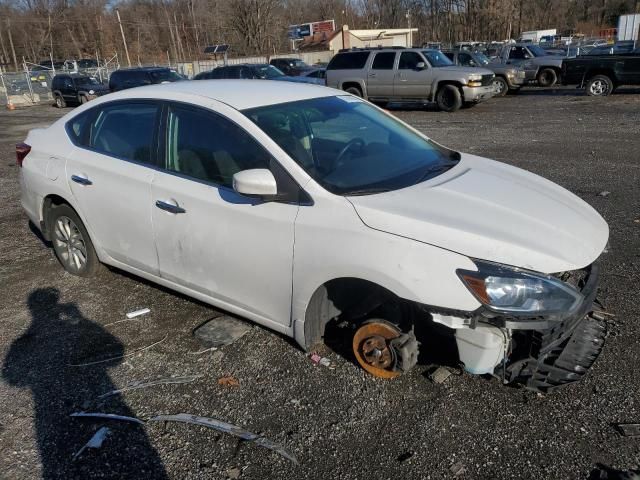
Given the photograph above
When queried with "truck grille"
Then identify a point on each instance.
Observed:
(487, 79)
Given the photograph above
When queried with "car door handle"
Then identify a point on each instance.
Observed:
(372, 74)
(169, 207)
(81, 180)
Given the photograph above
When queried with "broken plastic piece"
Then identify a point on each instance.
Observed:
(226, 428)
(95, 441)
(137, 313)
(315, 358)
(119, 356)
(108, 416)
(629, 429)
(228, 381)
(162, 381)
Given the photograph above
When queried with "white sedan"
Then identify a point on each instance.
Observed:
(297, 205)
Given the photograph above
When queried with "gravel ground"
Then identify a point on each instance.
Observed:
(338, 422)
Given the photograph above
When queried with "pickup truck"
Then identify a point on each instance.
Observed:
(383, 75)
(600, 75)
(538, 65)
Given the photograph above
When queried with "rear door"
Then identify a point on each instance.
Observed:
(68, 90)
(410, 81)
(110, 175)
(210, 239)
(381, 75)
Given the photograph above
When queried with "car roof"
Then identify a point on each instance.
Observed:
(239, 94)
(142, 69)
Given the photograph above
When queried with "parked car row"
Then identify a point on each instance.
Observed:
(451, 79)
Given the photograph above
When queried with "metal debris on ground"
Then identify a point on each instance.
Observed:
(137, 313)
(225, 427)
(629, 429)
(228, 381)
(440, 375)
(119, 356)
(119, 321)
(200, 352)
(95, 441)
(107, 416)
(143, 384)
(604, 193)
(221, 331)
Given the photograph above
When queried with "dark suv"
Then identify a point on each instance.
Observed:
(69, 88)
(290, 66)
(260, 71)
(137, 77)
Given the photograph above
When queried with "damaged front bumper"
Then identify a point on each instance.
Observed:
(542, 352)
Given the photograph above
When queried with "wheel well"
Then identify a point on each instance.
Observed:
(352, 84)
(49, 201)
(441, 84)
(600, 71)
(348, 298)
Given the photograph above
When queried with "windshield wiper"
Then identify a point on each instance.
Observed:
(365, 191)
(428, 173)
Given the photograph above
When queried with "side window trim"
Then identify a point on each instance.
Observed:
(95, 111)
(301, 196)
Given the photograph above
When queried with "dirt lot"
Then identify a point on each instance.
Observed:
(340, 423)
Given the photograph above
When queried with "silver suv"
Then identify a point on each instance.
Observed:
(409, 74)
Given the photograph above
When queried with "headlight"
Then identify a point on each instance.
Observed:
(91, 92)
(507, 289)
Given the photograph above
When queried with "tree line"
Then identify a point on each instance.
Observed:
(172, 30)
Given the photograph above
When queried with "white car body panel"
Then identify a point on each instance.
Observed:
(264, 261)
(492, 211)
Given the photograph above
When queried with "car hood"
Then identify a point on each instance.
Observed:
(492, 211)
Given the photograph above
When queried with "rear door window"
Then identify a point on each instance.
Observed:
(125, 130)
(409, 61)
(383, 61)
(348, 61)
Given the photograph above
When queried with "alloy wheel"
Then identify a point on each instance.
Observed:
(69, 244)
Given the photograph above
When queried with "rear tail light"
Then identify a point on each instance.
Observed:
(22, 150)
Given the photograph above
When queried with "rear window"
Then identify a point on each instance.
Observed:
(383, 61)
(348, 61)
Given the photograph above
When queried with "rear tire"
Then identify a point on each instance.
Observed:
(599, 86)
(60, 103)
(547, 77)
(83, 100)
(354, 91)
(448, 98)
(71, 242)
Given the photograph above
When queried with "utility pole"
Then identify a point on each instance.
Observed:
(124, 40)
(5, 55)
(410, 32)
(13, 50)
(51, 41)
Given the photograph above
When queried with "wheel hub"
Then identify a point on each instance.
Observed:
(373, 350)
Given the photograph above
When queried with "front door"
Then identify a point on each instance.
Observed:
(381, 74)
(110, 176)
(412, 81)
(234, 249)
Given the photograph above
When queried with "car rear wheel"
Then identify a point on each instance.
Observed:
(448, 98)
(599, 86)
(501, 86)
(60, 103)
(71, 242)
(547, 77)
(83, 99)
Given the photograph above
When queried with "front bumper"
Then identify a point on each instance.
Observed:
(558, 351)
(478, 94)
(517, 80)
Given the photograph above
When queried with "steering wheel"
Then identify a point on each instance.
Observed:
(347, 147)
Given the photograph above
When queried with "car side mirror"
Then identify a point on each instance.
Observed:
(527, 56)
(421, 66)
(256, 182)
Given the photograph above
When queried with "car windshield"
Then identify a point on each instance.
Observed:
(350, 147)
(537, 51)
(268, 71)
(165, 76)
(482, 58)
(437, 58)
(87, 81)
